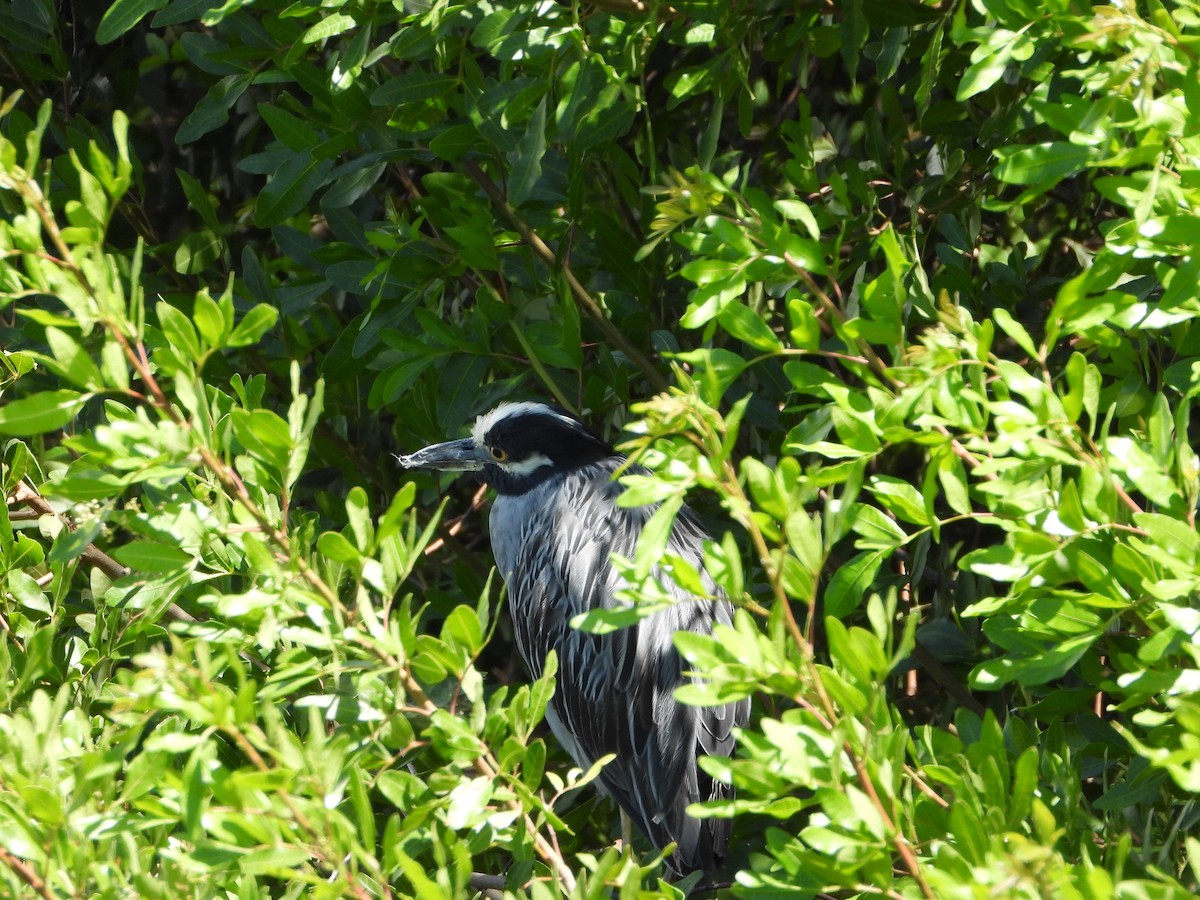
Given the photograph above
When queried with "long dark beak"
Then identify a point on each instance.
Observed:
(452, 456)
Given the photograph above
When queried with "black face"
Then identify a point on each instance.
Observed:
(529, 446)
(516, 447)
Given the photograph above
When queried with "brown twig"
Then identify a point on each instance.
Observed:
(830, 714)
(26, 874)
(635, 7)
(231, 484)
(455, 525)
(578, 291)
(489, 767)
(28, 496)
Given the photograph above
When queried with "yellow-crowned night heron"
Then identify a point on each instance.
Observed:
(554, 526)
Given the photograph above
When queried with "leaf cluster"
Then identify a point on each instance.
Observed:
(901, 297)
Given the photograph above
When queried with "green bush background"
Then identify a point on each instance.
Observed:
(902, 296)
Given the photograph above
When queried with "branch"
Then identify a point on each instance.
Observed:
(26, 874)
(490, 886)
(582, 297)
(135, 353)
(635, 7)
(489, 767)
(28, 496)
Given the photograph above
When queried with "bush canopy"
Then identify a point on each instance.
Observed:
(902, 297)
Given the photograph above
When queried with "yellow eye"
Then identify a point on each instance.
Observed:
(498, 454)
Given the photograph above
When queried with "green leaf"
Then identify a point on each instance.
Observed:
(901, 498)
(152, 556)
(1049, 664)
(40, 413)
(606, 620)
(1176, 538)
(335, 546)
(1043, 164)
(85, 486)
(413, 87)
(24, 587)
(1132, 791)
(294, 132)
(290, 188)
(327, 28)
(1016, 331)
(24, 553)
(209, 319)
(463, 629)
(199, 199)
(180, 11)
(1147, 474)
(767, 491)
(213, 110)
(77, 366)
(542, 690)
(875, 528)
(953, 480)
(746, 325)
(985, 70)
(350, 186)
(179, 330)
(849, 583)
(452, 737)
(467, 802)
(38, 659)
(275, 861)
(70, 545)
(264, 434)
(808, 255)
(528, 166)
(999, 563)
(641, 490)
(197, 252)
(123, 15)
(257, 322)
(685, 83)
(455, 142)
(804, 540)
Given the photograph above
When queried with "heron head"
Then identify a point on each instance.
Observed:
(516, 446)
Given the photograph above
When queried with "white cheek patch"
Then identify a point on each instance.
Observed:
(527, 466)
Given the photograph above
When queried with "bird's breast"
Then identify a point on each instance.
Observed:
(552, 547)
(511, 518)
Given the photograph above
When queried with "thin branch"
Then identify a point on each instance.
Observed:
(551, 260)
(946, 681)
(635, 7)
(899, 841)
(490, 886)
(925, 788)
(26, 874)
(28, 496)
(489, 767)
(455, 525)
(874, 363)
(898, 838)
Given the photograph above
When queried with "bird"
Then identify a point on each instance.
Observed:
(554, 526)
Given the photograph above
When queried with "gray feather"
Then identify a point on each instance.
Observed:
(616, 692)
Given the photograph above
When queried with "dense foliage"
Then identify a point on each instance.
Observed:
(903, 297)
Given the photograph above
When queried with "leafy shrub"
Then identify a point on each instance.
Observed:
(901, 297)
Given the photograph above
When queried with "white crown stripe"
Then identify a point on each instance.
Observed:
(488, 420)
